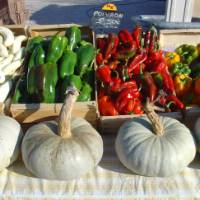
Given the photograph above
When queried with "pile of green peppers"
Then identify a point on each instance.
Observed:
(54, 63)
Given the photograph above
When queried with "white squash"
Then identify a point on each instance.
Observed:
(18, 43)
(8, 36)
(10, 141)
(3, 51)
(11, 68)
(5, 89)
(6, 61)
(155, 146)
(63, 150)
(197, 134)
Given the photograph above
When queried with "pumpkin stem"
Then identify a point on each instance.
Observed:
(64, 128)
(154, 118)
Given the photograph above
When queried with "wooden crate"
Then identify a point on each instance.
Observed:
(28, 114)
(169, 39)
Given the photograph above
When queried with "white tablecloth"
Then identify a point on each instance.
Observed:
(110, 180)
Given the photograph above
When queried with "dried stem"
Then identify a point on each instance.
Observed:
(157, 125)
(64, 128)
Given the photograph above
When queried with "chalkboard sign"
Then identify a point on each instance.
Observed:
(103, 19)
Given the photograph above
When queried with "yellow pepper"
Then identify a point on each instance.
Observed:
(182, 84)
(171, 58)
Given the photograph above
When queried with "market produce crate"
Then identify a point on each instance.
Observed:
(32, 113)
(169, 39)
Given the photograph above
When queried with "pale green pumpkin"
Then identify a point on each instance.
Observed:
(161, 150)
(64, 150)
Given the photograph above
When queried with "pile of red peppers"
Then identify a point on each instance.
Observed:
(131, 67)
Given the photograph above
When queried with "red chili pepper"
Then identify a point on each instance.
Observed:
(101, 43)
(168, 84)
(104, 73)
(133, 107)
(125, 36)
(155, 56)
(112, 44)
(126, 48)
(176, 101)
(124, 96)
(151, 88)
(137, 35)
(99, 59)
(161, 68)
(115, 84)
(106, 106)
(129, 84)
(136, 61)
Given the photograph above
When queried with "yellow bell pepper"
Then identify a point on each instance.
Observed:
(171, 58)
(182, 84)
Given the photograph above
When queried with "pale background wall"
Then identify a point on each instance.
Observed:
(196, 10)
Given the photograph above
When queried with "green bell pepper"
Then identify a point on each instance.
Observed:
(33, 43)
(56, 47)
(188, 53)
(72, 80)
(85, 94)
(85, 55)
(180, 68)
(74, 36)
(42, 81)
(37, 57)
(67, 63)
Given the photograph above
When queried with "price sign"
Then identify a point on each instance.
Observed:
(107, 18)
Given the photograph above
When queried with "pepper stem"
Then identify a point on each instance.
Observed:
(154, 118)
(64, 128)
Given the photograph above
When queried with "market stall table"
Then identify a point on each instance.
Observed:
(110, 180)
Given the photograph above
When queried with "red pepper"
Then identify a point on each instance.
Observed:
(137, 35)
(136, 61)
(133, 107)
(140, 68)
(129, 84)
(176, 101)
(101, 44)
(99, 59)
(124, 97)
(104, 73)
(111, 46)
(161, 68)
(155, 56)
(106, 106)
(115, 84)
(125, 36)
(168, 84)
(151, 88)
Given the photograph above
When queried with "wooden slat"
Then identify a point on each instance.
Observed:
(32, 113)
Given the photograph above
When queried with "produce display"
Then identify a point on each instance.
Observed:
(132, 67)
(10, 141)
(63, 150)
(184, 67)
(11, 59)
(153, 145)
(53, 64)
